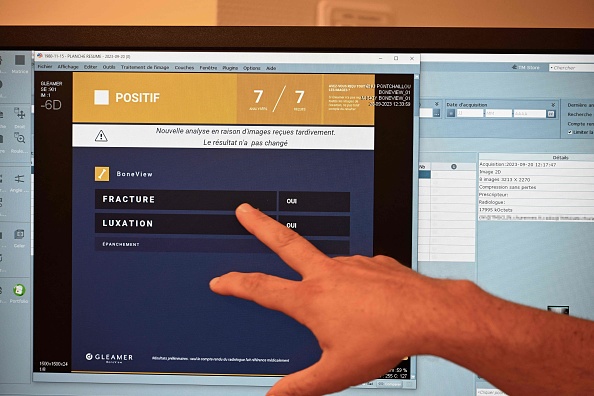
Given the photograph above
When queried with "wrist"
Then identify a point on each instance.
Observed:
(455, 319)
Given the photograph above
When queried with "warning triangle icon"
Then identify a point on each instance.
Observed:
(101, 137)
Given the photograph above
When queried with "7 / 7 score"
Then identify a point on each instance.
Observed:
(260, 92)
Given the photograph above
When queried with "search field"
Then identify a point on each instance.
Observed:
(572, 67)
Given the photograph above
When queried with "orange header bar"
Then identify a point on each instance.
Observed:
(221, 98)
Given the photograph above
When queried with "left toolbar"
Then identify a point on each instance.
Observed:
(16, 214)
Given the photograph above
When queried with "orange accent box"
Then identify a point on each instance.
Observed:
(348, 99)
(102, 173)
(166, 98)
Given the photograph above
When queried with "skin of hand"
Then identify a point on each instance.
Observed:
(369, 313)
(351, 305)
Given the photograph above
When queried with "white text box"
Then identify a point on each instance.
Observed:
(498, 113)
(529, 113)
(469, 113)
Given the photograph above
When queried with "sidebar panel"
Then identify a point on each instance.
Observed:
(15, 217)
(53, 203)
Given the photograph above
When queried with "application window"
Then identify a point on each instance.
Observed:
(161, 150)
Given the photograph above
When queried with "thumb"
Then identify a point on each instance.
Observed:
(326, 376)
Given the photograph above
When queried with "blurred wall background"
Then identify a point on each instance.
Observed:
(493, 13)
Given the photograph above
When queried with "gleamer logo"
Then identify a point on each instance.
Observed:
(109, 358)
(102, 97)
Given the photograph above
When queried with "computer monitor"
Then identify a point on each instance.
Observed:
(463, 153)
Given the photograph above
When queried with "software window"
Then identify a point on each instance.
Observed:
(162, 147)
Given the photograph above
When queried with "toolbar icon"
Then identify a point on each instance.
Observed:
(19, 60)
(20, 138)
(20, 113)
(102, 173)
(19, 178)
(1, 138)
(19, 234)
(19, 289)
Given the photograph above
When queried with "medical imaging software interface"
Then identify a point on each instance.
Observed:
(120, 173)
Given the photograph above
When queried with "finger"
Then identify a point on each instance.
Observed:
(311, 381)
(326, 376)
(269, 291)
(295, 250)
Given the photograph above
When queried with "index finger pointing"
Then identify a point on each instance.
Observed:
(295, 250)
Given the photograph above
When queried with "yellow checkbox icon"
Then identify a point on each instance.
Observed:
(102, 173)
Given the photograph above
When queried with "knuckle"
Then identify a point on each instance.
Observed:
(384, 259)
(381, 257)
(285, 237)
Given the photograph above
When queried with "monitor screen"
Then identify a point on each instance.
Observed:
(462, 153)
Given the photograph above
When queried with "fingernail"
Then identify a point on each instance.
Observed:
(214, 281)
(245, 207)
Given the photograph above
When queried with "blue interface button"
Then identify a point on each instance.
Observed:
(424, 174)
(451, 113)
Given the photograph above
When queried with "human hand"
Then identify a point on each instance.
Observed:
(367, 313)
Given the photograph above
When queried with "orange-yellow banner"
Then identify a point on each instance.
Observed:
(220, 98)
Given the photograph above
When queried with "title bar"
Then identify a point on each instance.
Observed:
(228, 57)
